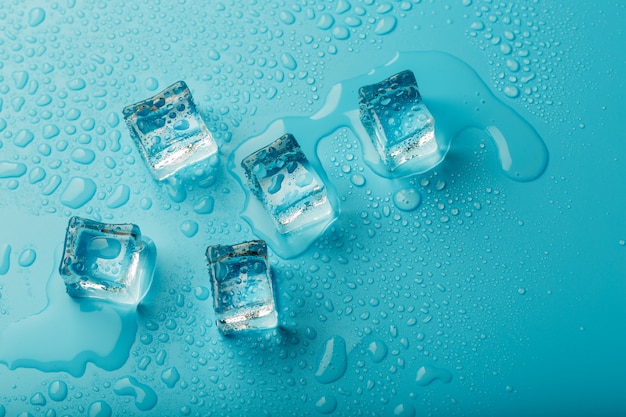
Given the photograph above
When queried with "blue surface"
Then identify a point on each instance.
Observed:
(488, 280)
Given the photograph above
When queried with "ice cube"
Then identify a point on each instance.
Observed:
(107, 261)
(242, 287)
(281, 177)
(169, 131)
(396, 119)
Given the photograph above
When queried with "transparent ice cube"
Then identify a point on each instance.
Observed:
(396, 119)
(242, 287)
(281, 177)
(169, 131)
(107, 261)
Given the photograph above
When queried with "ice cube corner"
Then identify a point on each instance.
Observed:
(240, 276)
(398, 122)
(169, 131)
(283, 180)
(112, 262)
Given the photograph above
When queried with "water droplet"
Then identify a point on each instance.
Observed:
(36, 16)
(511, 91)
(404, 410)
(145, 203)
(341, 32)
(11, 169)
(326, 404)
(204, 205)
(201, 293)
(83, 156)
(151, 84)
(50, 131)
(287, 17)
(407, 199)
(378, 350)
(326, 21)
(57, 391)
(358, 180)
(145, 397)
(52, 185)
(38, 399)
(27, 258)
(385, 25)
(333, 361)
(288, 61)
(20, 78)
(78, 192)
(170, 376)
(214, 55)
(36, 175)
(119, 196)
(99, 409)
(189, 228)
(76, 84)
(23, 138)
(428, 373)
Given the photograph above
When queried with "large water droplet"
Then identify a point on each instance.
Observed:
(5, 258)
(407, 199)
(11, 169)
(99, 409)
(427, 374)
(145, 397)
(385, 25)
(36, 16)
(57, 391)
(78, 192)
(333, 361)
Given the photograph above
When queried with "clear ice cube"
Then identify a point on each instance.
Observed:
(243, 298)
(169, 131)
(281, 177)
(396, 119)
(107, 261)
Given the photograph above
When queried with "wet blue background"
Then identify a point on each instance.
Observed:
(515, 290)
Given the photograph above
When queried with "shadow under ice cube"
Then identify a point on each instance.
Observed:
(396, 119)
(107, 261)
(169, 131)
(243, 298)
(281, 177)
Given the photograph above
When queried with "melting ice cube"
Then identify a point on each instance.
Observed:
(107, 261)
(281, 177)
(169, 131)
(396, 119)
(242, 287)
